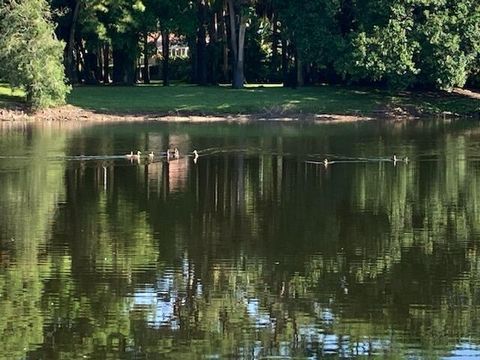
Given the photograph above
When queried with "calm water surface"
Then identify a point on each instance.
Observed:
(252, 252)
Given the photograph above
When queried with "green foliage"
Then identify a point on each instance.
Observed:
(387, 53)
(316, 32)
(430, 42)
(398, 43)
(450, 32)
(30, 54)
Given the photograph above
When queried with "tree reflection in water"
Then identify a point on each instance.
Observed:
(249, 253)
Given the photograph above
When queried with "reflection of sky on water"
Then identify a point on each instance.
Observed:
(318, 339)
(254, 352)
(465, 350)
(160, 300)
(161, 310)
(260, 318)
(327, 316)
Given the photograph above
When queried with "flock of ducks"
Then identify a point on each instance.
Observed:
(394, 158)
(170, 154)
(174, 154)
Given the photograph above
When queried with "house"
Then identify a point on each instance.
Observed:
(178, 47)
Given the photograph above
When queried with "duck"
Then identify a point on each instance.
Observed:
(394, 158)
(195, 154)
(137, 156)
(326, 162)
(129, 156)
(172, 154)
(151, 155)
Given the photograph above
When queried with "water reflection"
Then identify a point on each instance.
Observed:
(251, 252)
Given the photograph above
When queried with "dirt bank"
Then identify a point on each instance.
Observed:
(72, 113)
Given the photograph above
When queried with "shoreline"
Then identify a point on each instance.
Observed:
(70, 113)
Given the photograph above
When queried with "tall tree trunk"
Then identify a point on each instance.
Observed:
(71, 73)
(118, 66)
(238, 45)
(146, 67)
(285, 62)
(166, 58)
(223, 25)
(299, 81)
(79, 65)
(91, 66)
(275, 61)
(131, 70)
(192, 46)
(106, 63)
(124, 59)
(99, 67)
(83, 60)
(212, 49)
(239, 78)
(201, 43)
(233, 30)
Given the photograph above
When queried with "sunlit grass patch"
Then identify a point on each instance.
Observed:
(257, 98)
(268, 99)
(9, 95)
(6, 90)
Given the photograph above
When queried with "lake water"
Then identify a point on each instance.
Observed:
(256, 251)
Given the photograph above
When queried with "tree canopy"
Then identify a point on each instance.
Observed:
(392, 43)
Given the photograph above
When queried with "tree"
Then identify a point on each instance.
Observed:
(432, 43)
(450, 42)
(30, 53)
(91, 43)
(239, 16)
(148, 24)
(173, 17)
(123, 29)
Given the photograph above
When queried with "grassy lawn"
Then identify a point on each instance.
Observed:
(189, 99)
(9, 97)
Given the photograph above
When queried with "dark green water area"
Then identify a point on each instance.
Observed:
(256, 250)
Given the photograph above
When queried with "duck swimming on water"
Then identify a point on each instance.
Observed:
(396, 159)
(172, 154)
(137, 156)
(151, 155)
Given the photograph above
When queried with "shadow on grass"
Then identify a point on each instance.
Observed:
(10, 100)
(219, 100)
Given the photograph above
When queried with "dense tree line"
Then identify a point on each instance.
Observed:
(396, 43)
(433, 43)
